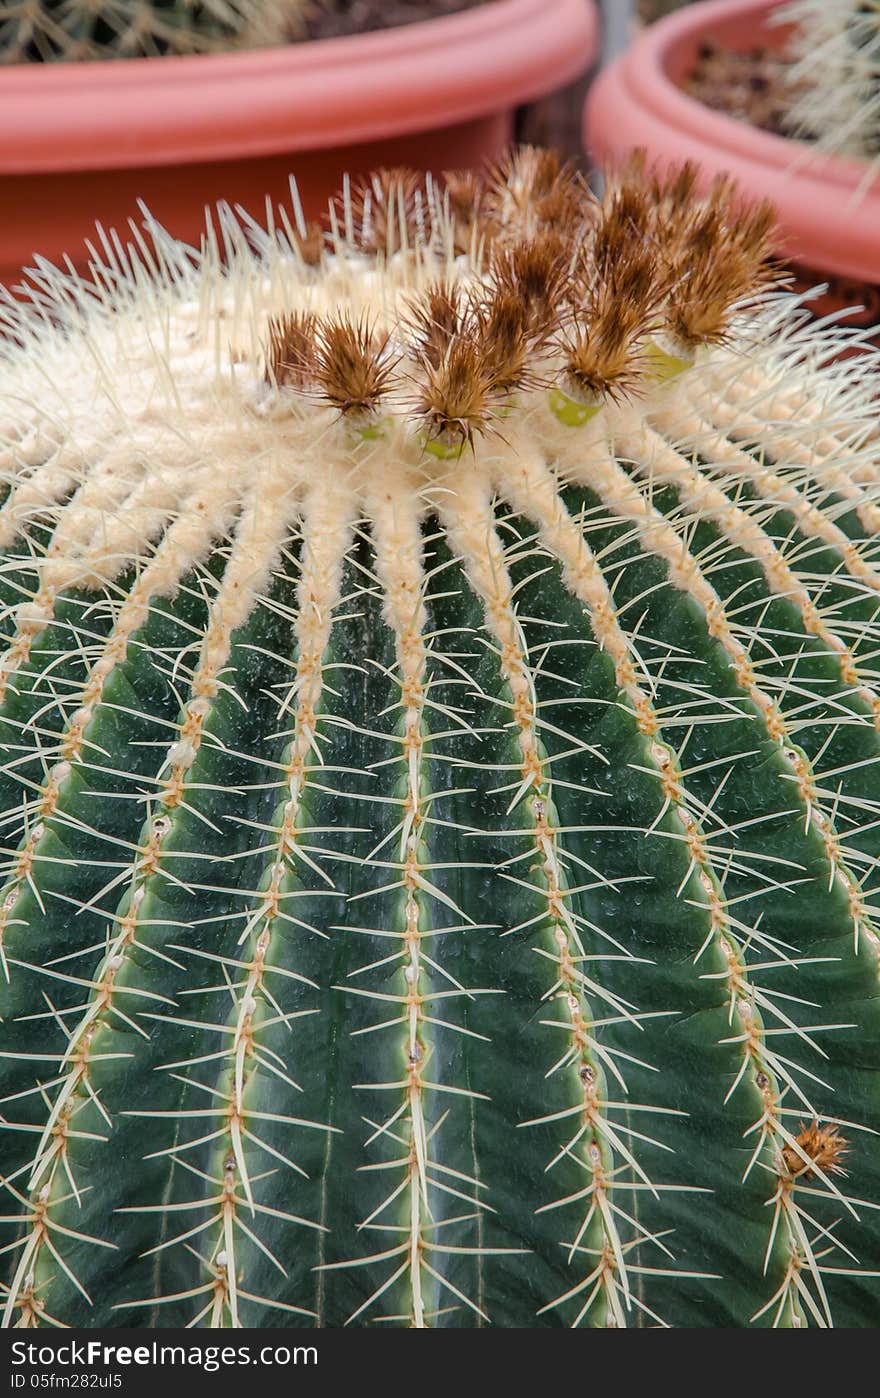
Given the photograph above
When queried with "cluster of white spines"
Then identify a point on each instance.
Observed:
(835, 77)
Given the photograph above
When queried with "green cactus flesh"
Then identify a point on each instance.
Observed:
(76, 30)
(438, 884)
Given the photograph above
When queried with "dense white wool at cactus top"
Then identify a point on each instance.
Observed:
(399, 428)
(155, 401)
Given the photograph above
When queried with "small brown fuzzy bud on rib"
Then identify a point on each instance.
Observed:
(384, 210)
(675, 193)
(501, 323)
(352, 369)
(432, 320)
(718, 256)
(823, 1145)
(722, 196)
(714, 249)
(456, 397)
(622, 229)
(632, 173)
(463, 196)
(310, 244)
(667, 193)
(537, 272)
(290, 350)
(604, 346)
(530, 189)
(755, 235)
(495, 319)
(703, 287)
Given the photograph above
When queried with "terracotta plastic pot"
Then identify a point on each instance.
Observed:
(85, 142)
(829, 221)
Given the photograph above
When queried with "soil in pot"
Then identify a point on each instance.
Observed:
(332, 19)
(750, 85)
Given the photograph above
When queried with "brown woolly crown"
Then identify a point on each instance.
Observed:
(564, 289)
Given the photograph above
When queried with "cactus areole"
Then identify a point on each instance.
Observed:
(439, 769)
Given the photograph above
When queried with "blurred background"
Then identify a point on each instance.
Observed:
(107, 106)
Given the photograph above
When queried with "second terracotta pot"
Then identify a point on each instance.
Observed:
(829, 220)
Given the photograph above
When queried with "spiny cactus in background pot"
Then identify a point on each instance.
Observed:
(835, 76)
(77, 30)
(440, 731)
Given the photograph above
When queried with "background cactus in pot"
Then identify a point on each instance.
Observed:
(835, 75)
(77, 30)
(440, 729)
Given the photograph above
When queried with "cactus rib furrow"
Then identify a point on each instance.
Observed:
(235, 1096)
(596, 1140)
(652, 456)
(110, 976)
(531, 488)
(51, 1169)
(769, 1064)
(162, 574)
(771, 487)
(622, 497)
(429, 994)
(399, 568)
(786, 449)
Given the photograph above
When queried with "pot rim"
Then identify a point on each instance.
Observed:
(305, 96)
